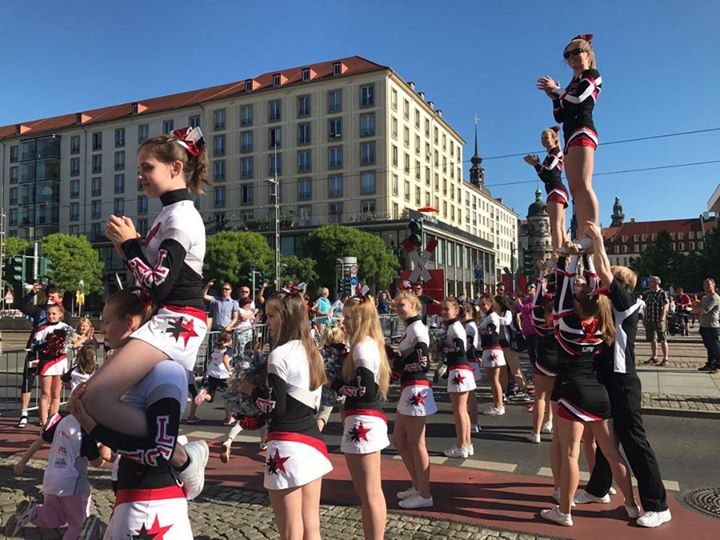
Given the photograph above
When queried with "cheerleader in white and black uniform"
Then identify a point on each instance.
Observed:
(550, 172)
(473, 356)
(493, 359)
(416, 401)
(172, 168)
(583, 325)
(364, 380)
(297, 457)
(460, 377)
(573, 107)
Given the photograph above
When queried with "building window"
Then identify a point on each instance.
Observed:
(334, 101)
(275, 140)
(248, 85)
(219, 170)
(335, 128)
(119, 206)
(303, 133)
(335, 157)
(74, 230)
(393, 99)
(246, 115)
(304, 162)
(335, 211)
(246, 194)
(303, 106)
(335, 186)
(119, 184)
(367, 125)
(275, 164)
(96, 186)
(97, 163)
(394, 156)
(143, 133)
(14, 154)
(142, 226)
(274, 110)
(142, 204)
(417, 119)
(246, 167)
(276, 80)
(394, 127)
(367, 183)
(406, 136)
(219, 196)
(74, 189)
(194, 121)
(13, 217)
(305, 214)
(120, 160)
(306, 74)
(367, 95)
(95, 232)
(97, 141)
(74, 211)
(246, 141)
(96, 209)
(407, 190)
(304, 189)
(219, 145)
(74, 167)
(337, 69)
(168, 126)
(395, 184)
(219, 119)
(406, 109)
(119, 137)
(75, 144)
(13, 195)
(367, 207)
(367, 153)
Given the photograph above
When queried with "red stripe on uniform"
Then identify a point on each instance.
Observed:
(416, 382)
(364, 412)
(136, 495)
(51, 363)
(187, 310)
(465, 366)
(317, 444)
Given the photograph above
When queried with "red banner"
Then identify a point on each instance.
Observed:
(435, 288)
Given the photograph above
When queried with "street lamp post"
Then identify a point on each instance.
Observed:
(275, 182)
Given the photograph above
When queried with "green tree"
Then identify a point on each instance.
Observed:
(299, 270)
(16, 246)
(710, 257)
(378, 267)
(660, 259)
(74, 260)
(229, 256)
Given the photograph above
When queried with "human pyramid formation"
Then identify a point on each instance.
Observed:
(133, 404)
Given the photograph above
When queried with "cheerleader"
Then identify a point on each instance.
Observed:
(334, 350)
(297, 457)
(473, 350)
(573, 107)
(416, 401)
(493, 359)
(461, 380)
(364, 381)
(50, 345)
(218, 374)
(583, 325)
(550, 172)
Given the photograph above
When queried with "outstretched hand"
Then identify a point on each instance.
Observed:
(547, 84)
(120, 229)
(532, 159)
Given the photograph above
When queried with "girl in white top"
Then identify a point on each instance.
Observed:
(218, 373)
(473, 356)
(493, 359)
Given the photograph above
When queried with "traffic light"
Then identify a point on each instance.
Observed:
(46, 268)
(347, 286)
(416, 232)
(15, 269)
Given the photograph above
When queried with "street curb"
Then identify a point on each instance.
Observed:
(680, 413)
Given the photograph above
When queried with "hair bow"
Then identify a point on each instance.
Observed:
(586, 37)
(598, 291)
(406, 284)
(191, 139)
(556, 129)
(143, 295)
(361, 292)
(295, 288)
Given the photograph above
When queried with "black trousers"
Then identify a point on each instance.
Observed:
(711, 340)
(625, 395)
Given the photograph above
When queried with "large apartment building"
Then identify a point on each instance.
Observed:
(348, 140)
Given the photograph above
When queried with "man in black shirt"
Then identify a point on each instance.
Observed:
(425, 300)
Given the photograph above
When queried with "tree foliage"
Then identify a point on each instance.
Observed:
(230, 256)
(378, 267)
(16, 246)
(74, 260)
(299, 270)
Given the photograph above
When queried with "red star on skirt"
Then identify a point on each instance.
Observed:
(417, 399)
(156, 532)
(358, 432)
(458, 379)
(493, 356)
(179, 328)
(276, 463)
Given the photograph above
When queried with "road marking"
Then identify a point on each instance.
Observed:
(490, 465)
(670, 485)
(212, 436)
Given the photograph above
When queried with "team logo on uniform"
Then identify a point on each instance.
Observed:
(358, 433)
(178, 328)
(493, 356)
(458, 379)
(156, 532)
(152, 233)
(276, 463)
(416, 400)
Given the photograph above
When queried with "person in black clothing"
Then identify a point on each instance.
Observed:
(38, 319)
(425, 300)
(617, 372)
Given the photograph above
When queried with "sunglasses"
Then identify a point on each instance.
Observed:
(227, 289)
(245, 291)
(573, 52)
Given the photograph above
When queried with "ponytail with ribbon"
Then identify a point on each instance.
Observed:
(191, 139)
(584, 37)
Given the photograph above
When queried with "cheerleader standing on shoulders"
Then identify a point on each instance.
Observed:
(172, 168)
(583, 325)
(493, 359)
(573, 107)
(550, 172)
(50, 342)
(365, 378)
(473, 350)
(297, 457)
(461, 380)
(416, 401)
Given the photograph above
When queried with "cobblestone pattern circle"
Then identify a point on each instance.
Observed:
(706, 500)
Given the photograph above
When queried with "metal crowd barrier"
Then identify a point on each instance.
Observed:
(256, 337)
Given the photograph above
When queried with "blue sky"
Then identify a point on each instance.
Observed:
(659, 60)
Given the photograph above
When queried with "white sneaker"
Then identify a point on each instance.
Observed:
(470, 450)
(633, 511)
(475, 428)
(22, 516)
(193, 477)
(547, 427)
(612, 491)
(402, 495)
(654, 519)
(416, 501)
(495, 411)
(456, 452)
(533, 438)
(554, 514)
(583, 497)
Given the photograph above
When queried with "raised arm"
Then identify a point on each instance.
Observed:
(600, 258)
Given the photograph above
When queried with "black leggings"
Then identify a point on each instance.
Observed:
(29, 374)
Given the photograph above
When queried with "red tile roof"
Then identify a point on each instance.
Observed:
(352, 65)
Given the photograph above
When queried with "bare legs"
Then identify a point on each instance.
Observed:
(409, 439)
(543, 390)
(556, 211)
(297, 511)
(579, 163)
(493, 375)
(365, 472)
(462, 419)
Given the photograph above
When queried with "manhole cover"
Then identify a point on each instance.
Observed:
(706, 500)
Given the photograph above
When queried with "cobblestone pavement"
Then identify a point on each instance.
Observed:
(674, 402)
(225, 513)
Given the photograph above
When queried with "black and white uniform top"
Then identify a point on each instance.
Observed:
(573, 107)
(171, 266)
(546, 363)
(471, 333)
(145, 461)
(550, 172)
(413, 363)
(455, 345)
(620, 357)
(489, 330)
(361, 393)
